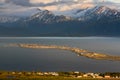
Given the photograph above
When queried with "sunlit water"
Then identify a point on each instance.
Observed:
(23, 59)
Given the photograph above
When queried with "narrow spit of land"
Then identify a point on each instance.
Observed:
(78, 51)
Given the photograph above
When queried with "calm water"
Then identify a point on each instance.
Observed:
(15, 58)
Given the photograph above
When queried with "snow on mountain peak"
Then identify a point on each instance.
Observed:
(80, 14)
(100, 9)
(97, 11)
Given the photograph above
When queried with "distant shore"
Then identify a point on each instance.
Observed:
(72, 75)
(78, 51)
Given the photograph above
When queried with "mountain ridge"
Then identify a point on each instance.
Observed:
(96, 21)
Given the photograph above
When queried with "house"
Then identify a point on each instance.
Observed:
(107, 76)
(39, 73)
(53, 73)
(76, 72)
(79, 76)
(20, 73)
(29, 73)
(85, 75)
(13, 73)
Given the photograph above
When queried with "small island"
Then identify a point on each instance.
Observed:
(78, 51)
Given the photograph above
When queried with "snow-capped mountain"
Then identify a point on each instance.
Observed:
(96, 21)
(97, 13)
(45, 16)
(13, 16)
(10, 19)
(48, 17)
(42, 16)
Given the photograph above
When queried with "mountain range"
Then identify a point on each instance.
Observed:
(96, 21)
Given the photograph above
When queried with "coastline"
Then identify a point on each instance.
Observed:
(78, 51)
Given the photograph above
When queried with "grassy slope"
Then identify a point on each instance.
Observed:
(53, 78)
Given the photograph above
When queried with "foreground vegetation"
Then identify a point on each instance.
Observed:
(4, 75)
(55, 78)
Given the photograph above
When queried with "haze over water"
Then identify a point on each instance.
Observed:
(16, 58)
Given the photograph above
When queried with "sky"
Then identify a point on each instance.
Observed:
(10, 6)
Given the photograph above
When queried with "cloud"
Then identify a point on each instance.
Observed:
(64, 7)
(44, 2)
(41, 1)
(1, 1)
(11, 6)
(115, 1)
(18, 2)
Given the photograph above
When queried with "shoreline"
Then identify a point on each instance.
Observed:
(71, 75)
(78, 51)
